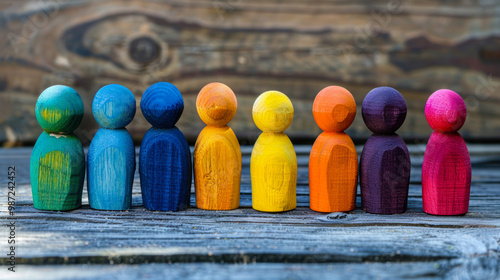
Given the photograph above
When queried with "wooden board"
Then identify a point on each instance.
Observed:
(239, 244)
(297, 47)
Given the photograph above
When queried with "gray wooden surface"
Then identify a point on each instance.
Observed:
(246, 244)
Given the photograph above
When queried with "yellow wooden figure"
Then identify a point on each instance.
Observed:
(273, 166)
(217, 153)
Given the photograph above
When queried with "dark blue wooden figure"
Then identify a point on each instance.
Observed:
(385, 161)
(111, 155)
(165, 158)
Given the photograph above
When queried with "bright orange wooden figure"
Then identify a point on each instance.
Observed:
(217, 153)
(333, 163)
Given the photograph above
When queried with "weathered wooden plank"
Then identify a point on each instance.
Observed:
(244, 243)
(140, 237)
(249, 270)
(484, 217)
(296, 47)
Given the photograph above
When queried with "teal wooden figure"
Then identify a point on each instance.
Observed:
(57, 166)
(111, 155)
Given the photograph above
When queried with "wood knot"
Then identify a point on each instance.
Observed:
(337, 216)
(144, 50)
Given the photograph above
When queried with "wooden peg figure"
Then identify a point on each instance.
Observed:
(446, 170)
(111, 154)
(273, 165)
(385, 161)
(165, 158)
(217, 153)
(333, 163)
(57, 166)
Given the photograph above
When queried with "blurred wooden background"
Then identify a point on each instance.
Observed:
(297, 47)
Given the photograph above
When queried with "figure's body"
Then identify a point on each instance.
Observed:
(165, 158)
(111, 155)
(57, 165)
(217, 153)
(333, 163)
(333, 175)
(165, 168)
(57, 172)
(218, 169)
(446, 169)
(111, 167)
(273, 165)
(385, 161)
(273, 170)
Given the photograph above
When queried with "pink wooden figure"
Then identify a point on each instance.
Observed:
(446, 170)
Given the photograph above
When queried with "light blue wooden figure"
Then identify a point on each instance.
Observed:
(111, 155)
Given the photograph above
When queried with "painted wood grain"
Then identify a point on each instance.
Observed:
(162, 105)
(446, 169)
(446, 175)
(273, 165)
(110, 169)
(59, 109)
(111, 154)
(57, 166)
(113, 106)
(384, 110)
(445, 111)
(385, 160)
(216, 104)
(165, 159)
(57, 172)
(385, 174)
(333, 162)
(217, 154)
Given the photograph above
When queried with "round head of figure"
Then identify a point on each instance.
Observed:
(272, 111)
(334, 109)
(445, 111)
(113, 106)
(162, 105)
(216, 104)
(59, 109)
(383, 110)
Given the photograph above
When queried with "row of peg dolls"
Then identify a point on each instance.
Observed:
(57, 165)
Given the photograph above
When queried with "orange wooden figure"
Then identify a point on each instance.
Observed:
(333, 163)
(217, 153)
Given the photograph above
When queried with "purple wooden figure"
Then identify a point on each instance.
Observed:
(385, 161)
